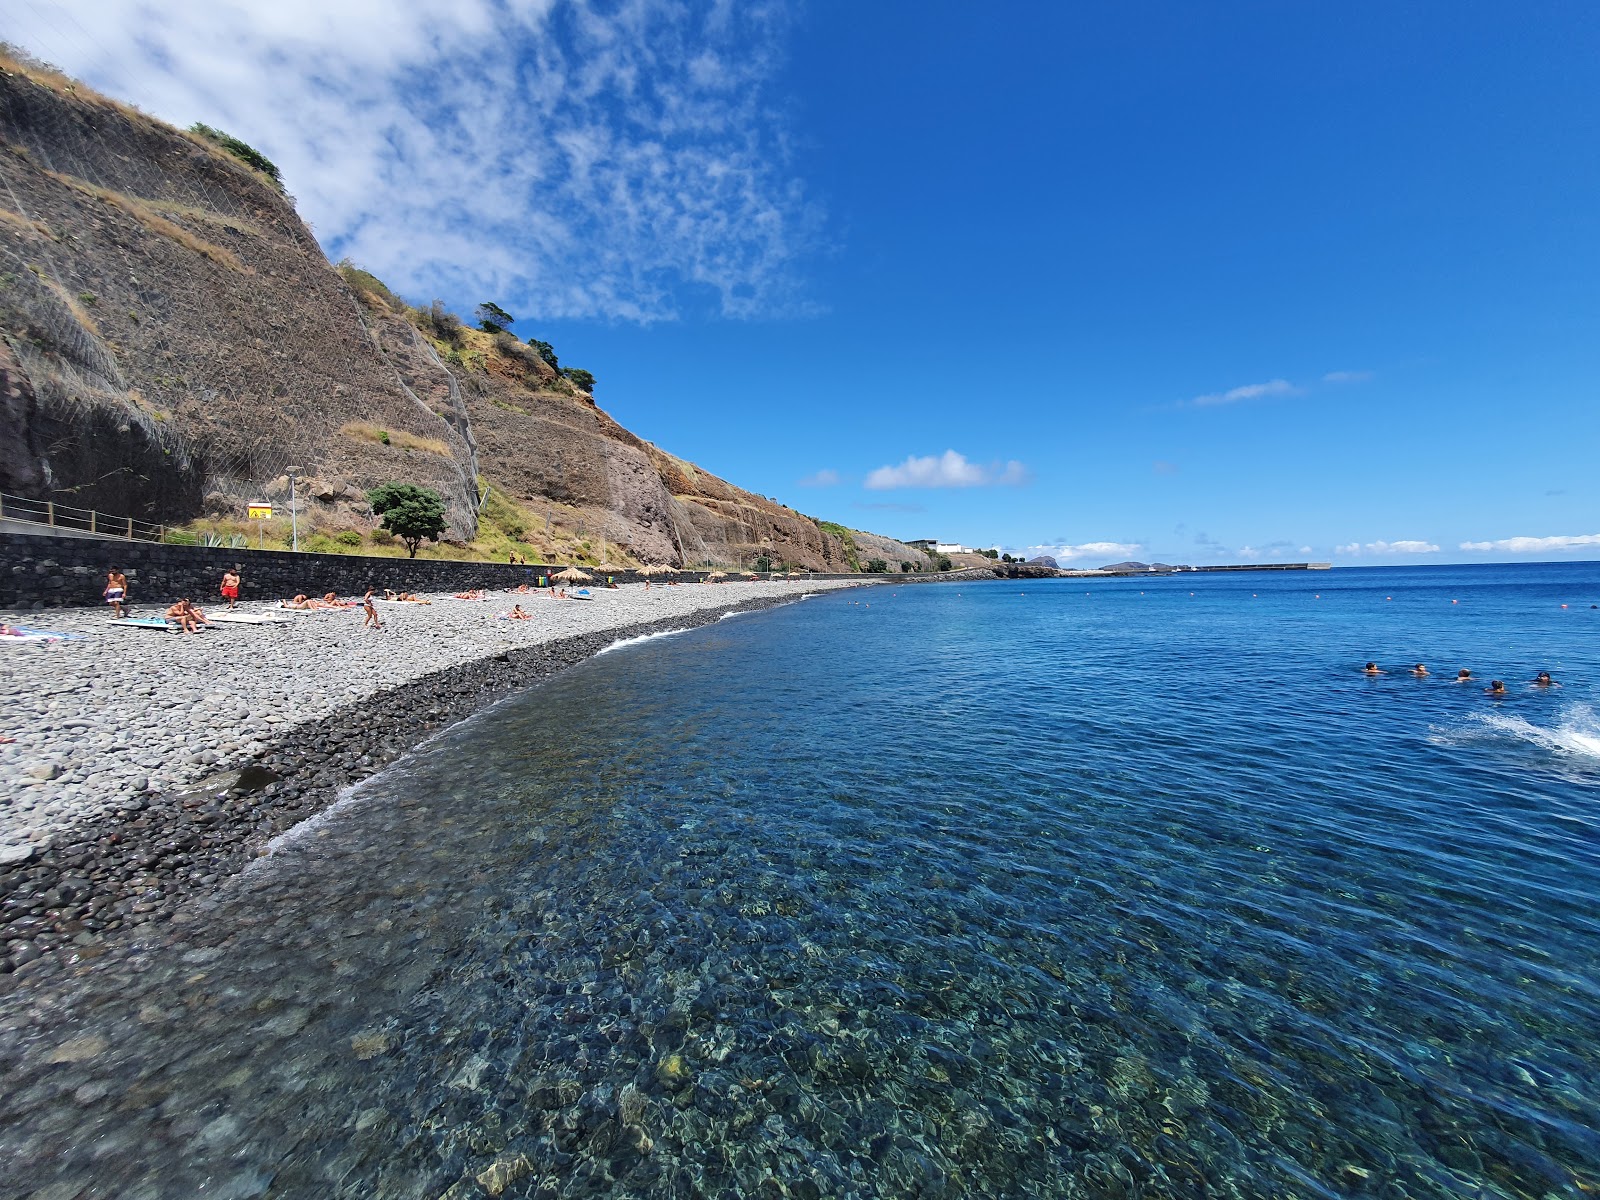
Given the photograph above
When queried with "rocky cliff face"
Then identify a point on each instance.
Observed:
(175, 340)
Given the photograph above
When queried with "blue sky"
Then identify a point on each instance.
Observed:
(1196, 283)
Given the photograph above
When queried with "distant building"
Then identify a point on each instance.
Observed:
(935, 546)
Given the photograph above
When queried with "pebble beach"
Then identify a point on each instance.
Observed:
(121, 787)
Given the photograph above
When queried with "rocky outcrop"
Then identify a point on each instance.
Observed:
(179, 327)
(175, 341)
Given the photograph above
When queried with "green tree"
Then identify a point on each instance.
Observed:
(547, 352)
(580, 377)
(876, 566)
(409, 512)
(492, 318)
(764, 563)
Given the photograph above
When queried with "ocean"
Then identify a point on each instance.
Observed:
(1067, 888)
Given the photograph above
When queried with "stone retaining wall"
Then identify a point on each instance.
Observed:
(68, 572)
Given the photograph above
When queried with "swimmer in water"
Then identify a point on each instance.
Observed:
(1372, 669)
(1495, 688)
(1419, 670)
(1463, 676)
(1542, 679)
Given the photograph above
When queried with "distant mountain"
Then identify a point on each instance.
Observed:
(1043, 560)
(1134, 567)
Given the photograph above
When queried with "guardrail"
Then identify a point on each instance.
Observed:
(81, 520)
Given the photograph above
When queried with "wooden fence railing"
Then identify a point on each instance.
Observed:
(84, 520)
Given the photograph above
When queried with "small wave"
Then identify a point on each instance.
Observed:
(1577, 734)
(738, 612)
(634, 641)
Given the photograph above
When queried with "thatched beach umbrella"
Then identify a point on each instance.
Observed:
(717, 575)
(752, 575)
(572, 575)
(610, 566)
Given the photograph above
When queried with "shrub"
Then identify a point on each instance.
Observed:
(580, 378)
(442, 323)
(906, 568)
(180, 537)
(243, 151)
(347, 537)
(381, 537)
(876, 566)
(319, 543)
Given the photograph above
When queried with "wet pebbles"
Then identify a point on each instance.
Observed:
(149, 767)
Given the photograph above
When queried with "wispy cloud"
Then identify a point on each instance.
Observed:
(1347, 377)
(1537, 545)
(827, 477)
(947, 470)
(1104, 551)
(624, 161)
(1404, 546)
(1249, 391)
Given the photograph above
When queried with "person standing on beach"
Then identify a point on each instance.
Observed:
(230, 586)
(370, 608)
(116, 590)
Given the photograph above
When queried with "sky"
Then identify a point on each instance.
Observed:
(1184, 283)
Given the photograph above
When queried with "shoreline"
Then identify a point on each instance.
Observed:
(101, 875)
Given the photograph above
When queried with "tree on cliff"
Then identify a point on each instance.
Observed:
(492, 318)
(409, 512)
(581, 378)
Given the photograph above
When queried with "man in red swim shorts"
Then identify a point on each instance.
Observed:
(230, 586)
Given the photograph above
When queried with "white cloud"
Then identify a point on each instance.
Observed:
(1305, 549)
(949, 469)
(1250, 391)
(566, 160)
(1536, 545)
(1347, 377)
(1409, 546)
(827, 477)
(1107, 551)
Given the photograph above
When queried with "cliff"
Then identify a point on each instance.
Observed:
(175, 340)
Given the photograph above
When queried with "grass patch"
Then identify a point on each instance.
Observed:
(369, 287)
(23, 225)
(154, 222)
(362, 431)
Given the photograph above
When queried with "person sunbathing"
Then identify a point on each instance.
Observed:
(517, 614)
(522, 589)
(331, 600)
(180, 615)
(301, 602)
(474, 594)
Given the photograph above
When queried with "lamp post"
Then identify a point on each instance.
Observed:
(294, 515)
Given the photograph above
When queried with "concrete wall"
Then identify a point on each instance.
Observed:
(65, 572)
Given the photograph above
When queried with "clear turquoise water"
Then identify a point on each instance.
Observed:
(1064, 889)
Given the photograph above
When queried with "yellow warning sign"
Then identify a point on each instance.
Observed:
(259, 512)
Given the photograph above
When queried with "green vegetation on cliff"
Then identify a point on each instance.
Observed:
(243, 151)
